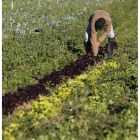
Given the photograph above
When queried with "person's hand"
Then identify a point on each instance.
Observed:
(95, 55)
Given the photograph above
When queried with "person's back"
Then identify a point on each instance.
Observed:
(99, 20)
(98, 14)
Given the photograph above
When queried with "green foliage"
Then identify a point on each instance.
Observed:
(39, 53)
(87, 107)
(100, 104)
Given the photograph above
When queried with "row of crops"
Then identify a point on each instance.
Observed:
(26, 17)
(101, 103)
(37, 55)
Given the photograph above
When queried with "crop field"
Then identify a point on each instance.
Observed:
(29, 35)
(51, 89)
(28, 17)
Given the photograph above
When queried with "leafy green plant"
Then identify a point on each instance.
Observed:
(102, 103)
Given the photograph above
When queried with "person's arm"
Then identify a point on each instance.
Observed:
(97, 45)
(93, 37)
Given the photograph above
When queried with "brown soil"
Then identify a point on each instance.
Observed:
(121, 33)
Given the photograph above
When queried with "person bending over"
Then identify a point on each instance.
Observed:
(99, 20)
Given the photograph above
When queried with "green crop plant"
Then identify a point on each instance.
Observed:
(86, 94)
(48, 107)
(36, 51)
(101, 103)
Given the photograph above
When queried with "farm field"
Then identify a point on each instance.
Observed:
(25, 16)
(35, 45)
(99, 102)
